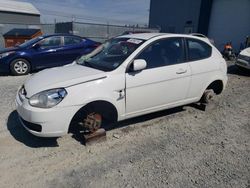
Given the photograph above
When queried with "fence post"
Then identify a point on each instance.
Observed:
(107, 30)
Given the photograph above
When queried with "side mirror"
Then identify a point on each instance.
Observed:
(139, 64)
(36, 46)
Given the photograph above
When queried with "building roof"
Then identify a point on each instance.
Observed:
(21, 32)
(18, 7)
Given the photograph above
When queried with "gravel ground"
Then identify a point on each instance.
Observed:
(181, 147)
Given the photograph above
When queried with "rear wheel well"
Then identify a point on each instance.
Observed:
(216, 86)
(106, 109)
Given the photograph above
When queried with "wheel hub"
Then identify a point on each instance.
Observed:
(208, 96)
(21, 67)
(93, 122)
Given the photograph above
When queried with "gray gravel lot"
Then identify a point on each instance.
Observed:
(181, 147)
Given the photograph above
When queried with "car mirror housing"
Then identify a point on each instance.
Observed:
(36, 46)
(139, 64)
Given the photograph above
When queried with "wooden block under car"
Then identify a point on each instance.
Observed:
(97, 136)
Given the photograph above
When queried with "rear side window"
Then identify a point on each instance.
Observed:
(72, 40)
(198, 49)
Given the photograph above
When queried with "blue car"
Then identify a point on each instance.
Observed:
(44, 52)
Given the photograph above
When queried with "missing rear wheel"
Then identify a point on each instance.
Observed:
(208, 96)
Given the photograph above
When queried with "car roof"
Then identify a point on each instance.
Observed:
(198, 35)
(142, 36)
(60, 34)
(147, 36)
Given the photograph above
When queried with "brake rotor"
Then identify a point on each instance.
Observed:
(208, 95)
(93, 122)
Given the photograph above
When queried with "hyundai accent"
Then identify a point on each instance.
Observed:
(125, 77)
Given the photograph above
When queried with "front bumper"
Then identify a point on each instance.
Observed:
(54, 122)
(4, 67)
(243, 63)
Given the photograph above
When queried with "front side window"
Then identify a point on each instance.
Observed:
(72, 40)
(163, 53)
(198, 50)
(111, 54)
(30, 42)
(50, 42)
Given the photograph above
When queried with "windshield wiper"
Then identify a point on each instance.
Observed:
(88, 64)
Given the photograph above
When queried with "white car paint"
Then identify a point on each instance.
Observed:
(203, 36)
(145, 87)
(132, 94)
(243, 59)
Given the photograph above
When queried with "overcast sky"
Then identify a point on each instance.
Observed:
(100, 11)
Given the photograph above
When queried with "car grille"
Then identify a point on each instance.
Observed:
(241, 63)
(243, 57)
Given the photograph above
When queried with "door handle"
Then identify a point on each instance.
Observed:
(181, 71)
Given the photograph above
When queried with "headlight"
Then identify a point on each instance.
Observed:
(6, 54)
(48, 99)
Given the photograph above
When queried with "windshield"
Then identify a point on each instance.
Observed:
(30, 42)
(111, 54)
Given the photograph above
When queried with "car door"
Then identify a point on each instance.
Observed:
(165, 81)
(48, 52)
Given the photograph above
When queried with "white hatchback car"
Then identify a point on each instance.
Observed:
(243, 60)
(127, 76)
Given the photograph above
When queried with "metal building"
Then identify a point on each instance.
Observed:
(14, 14)
(221, 20)
(18, 13)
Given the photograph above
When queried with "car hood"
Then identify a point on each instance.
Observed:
(245, 52)
(61, 77)
(8, 49)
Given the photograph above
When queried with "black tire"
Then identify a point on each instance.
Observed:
(19, 67)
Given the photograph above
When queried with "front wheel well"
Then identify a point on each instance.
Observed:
(216, 86)
(107, 109)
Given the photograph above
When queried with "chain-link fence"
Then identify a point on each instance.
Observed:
(101, 32)
(98, 32)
